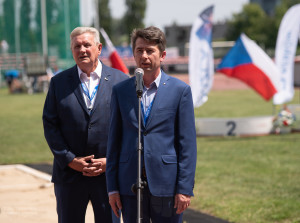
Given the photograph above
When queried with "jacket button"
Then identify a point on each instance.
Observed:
(145, 133)
(90, 126)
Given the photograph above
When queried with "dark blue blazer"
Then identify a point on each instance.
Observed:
(69, 128)
(168, 139)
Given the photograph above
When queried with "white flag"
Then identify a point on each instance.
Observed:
(286, 45)
(201, 65)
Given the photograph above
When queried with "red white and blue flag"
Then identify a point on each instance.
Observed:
(249, 63)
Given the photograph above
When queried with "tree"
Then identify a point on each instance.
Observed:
(282, 9)
(257, 25)
(251, 22)
(29, 39)
(134, 15)
(119, 35)
(105, 19)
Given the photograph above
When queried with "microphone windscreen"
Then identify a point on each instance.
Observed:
(139, 83)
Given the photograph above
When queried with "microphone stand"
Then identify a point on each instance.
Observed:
(139, 172)
(139, 186)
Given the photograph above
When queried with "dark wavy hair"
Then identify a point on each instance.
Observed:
(151, 34)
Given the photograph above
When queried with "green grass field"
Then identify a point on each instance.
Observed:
(21, 130)
(240, 179)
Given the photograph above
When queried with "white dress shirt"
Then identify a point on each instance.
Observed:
(91, 83)
(149, 93)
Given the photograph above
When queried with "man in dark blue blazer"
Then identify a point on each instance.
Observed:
(168, 138)
(76, 120)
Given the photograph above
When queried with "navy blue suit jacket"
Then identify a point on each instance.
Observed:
(168, 139)
(69, 128)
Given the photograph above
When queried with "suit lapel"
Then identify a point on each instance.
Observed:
(75, 83)
(102, 89)
(159, 97)
(136, 105)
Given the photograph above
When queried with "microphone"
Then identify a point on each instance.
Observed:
(139, 83)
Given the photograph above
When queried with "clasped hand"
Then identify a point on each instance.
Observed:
(88, 165)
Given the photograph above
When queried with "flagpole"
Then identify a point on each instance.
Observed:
(67, 28)
(17, 31)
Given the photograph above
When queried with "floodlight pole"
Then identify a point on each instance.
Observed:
(96, 16)
(44, 28)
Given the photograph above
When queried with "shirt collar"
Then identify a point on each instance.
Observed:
(97, 71)
(156, 81)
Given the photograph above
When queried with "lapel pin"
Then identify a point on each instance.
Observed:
(106, 78)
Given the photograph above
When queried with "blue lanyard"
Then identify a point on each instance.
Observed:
(86, 91)
(147, 114)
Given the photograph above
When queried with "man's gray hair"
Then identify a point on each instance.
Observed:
(80, 30)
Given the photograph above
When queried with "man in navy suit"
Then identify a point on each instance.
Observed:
(76, 121)
(168, 138)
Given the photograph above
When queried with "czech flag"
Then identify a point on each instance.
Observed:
(115, 59)
(249, 63)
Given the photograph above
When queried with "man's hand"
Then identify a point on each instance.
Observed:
(182, 201)
(115, 203)
(78, 163)
(88, 165)
(96, 167)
